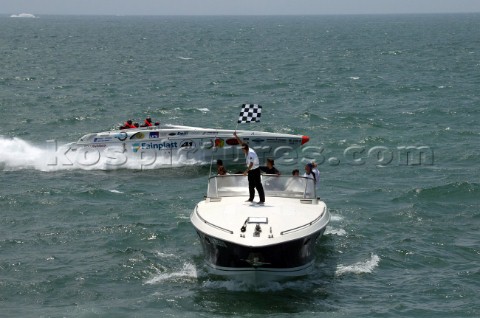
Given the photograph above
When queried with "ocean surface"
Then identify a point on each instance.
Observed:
(392, 107)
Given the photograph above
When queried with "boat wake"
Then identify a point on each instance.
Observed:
(18, 154)
(233, 285)
(338, 232)
(189, 271)
(363, 267)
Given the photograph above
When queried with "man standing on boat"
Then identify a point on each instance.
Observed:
(253, 172)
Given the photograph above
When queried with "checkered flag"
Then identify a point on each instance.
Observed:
(249, 113)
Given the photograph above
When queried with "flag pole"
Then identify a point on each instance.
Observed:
(238, 120)
(211, 160)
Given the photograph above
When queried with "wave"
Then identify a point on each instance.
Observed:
(450, 191)
(338, 232)
(364, 267)
(336, 218)
(188, 271)
(116, 191)
(299, 284)
(233, 285)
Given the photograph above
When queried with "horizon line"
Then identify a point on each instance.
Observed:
(237, 14)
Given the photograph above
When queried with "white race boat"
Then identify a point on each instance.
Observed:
(255, 242)
(175, 145)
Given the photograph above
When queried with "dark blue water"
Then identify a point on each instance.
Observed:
(391, 105)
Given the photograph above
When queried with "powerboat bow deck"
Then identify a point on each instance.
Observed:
(254, 242)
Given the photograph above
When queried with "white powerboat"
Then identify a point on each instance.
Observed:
(176, 145)
(255, 242)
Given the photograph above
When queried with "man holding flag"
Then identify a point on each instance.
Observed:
(253, 172)
(249, 113)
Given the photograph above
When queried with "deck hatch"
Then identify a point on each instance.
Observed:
(258, 219)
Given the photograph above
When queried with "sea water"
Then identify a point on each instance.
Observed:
(391, 105)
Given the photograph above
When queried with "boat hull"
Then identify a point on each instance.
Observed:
(288, 259)
(180, 145)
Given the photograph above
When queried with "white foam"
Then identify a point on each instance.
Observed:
(266, 286)
(188, 271)
(335, 217)
(360, 267)
(164, 255)
(338, 232)
(18, 154)
(230, 285)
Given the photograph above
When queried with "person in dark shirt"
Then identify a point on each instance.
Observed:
(221, 171)
(270, 167)
(128, 125)
(147, 122)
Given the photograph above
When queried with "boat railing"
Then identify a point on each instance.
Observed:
(274, 186)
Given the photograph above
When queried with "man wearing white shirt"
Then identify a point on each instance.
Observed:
(311, 171)
(253, 172)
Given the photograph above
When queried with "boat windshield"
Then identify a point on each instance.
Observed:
(274, 186)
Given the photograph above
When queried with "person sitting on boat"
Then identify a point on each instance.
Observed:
(147, 122)
(295, 173)
(128, 125)
(270, 168)
(221, 171)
